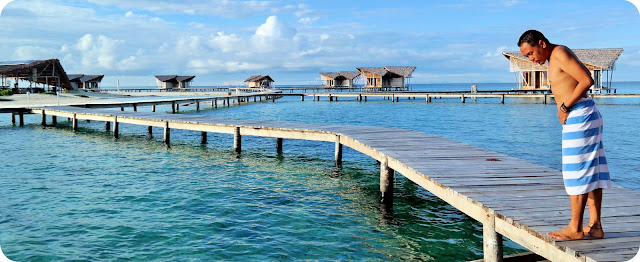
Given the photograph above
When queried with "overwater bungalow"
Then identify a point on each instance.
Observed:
(173, 81)
(260, 81)
(387, 78)
(49, 73)
(86, 82)
(531, 76)
(339, 79)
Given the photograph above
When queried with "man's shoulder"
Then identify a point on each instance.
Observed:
(561, 53)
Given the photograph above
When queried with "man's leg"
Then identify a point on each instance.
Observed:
(594, 201)
(574, 230)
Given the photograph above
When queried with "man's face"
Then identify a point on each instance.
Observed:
(534, 53)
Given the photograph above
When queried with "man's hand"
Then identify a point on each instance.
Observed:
(562, 116)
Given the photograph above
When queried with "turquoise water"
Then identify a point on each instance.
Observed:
(85, 197)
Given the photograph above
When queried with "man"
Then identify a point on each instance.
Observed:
(584, 166)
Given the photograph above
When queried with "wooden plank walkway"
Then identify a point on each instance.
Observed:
(515, 198)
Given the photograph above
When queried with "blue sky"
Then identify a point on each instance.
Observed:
(223, 42)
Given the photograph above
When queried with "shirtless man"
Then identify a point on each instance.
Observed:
(584, 168)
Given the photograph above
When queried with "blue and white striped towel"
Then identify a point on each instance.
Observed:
(584, 165)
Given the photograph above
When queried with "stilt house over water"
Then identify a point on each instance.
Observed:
(261, 81)
(49, 73)
(174, 81)
(600, 62)
(339, 79)
(387, 78)
(85, 82)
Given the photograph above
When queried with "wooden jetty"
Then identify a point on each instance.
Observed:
(509, 196)
(429, 96)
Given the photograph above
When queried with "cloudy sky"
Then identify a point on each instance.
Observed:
(223, 41)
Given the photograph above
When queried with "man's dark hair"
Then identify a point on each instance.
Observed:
(532, 37)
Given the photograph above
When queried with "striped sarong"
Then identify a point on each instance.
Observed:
(584, 165)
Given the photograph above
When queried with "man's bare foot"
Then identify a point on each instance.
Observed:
(566, 234)
(594, 230)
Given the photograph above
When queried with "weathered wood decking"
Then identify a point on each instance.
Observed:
(515, 198)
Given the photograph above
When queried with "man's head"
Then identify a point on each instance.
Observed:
(533, 45)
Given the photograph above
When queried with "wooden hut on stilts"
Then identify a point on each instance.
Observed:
(533, 76)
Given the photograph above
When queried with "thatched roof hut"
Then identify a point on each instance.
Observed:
(339, 79)
(47, 72)
(262, 81)
(174, 81)
(388, 77)
(85, 81)
(530, 75)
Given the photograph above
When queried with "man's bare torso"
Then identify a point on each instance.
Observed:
(562, 84)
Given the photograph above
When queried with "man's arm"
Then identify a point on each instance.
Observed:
(570, 64)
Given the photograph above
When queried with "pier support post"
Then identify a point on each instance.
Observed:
(122, 108)
(197, 105)
(13, 118)
(177, 107)
(54, 120)
(203, 137)
(463, 98)
(502, 99)
(75, 123)
(338, 153)
(279, 145)
(365, 98)
(107, 126)
(302, 97)
(330, 98)
(116, 130)
(214, 103)
(254, 99)
(492, 241)
(393, 98)
(387, 175)
(228, 104)
(21, 118)
(44, 118)
(150, 130)
(173, 107)
(167, 134)
(237, 140)
(153, 108)
(545, 99)
(359, 97)
(135, 108)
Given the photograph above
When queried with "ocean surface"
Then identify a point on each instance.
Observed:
(84, 196)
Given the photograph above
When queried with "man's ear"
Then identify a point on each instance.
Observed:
(542, 44)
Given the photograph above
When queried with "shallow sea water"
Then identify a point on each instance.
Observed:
(86, 197)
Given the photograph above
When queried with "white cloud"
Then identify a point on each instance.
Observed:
(98, 51)
(273, 35)
(222, 8)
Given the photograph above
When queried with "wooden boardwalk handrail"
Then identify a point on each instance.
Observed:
(515, 198)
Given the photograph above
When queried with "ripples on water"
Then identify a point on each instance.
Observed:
(84, 196)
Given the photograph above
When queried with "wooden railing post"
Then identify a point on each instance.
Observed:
(492, 241)
(167, 134)
(237, 140)
(387, 175)
(115, 127)
(279, 145)
(338, 153)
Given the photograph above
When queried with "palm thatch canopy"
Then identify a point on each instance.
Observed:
(47, 72)
(171, 81)
(593, 59)
(259, 78)
(80, 78)
(346, 74)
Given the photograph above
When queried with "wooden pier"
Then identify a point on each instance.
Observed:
(428, 97)
(510, 197)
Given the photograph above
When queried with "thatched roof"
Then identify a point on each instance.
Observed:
(185, 78)
(346, 74)
(85, 78)
(404, 71)
(349, 74)
(46, 71)
(256, 78)
(332, 75)
(174, 78)
(600, 58)
(376, 70)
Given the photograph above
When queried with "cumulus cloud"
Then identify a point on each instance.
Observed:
(98, 51)
(222, 8)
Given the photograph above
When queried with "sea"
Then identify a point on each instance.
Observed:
(83, 196)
